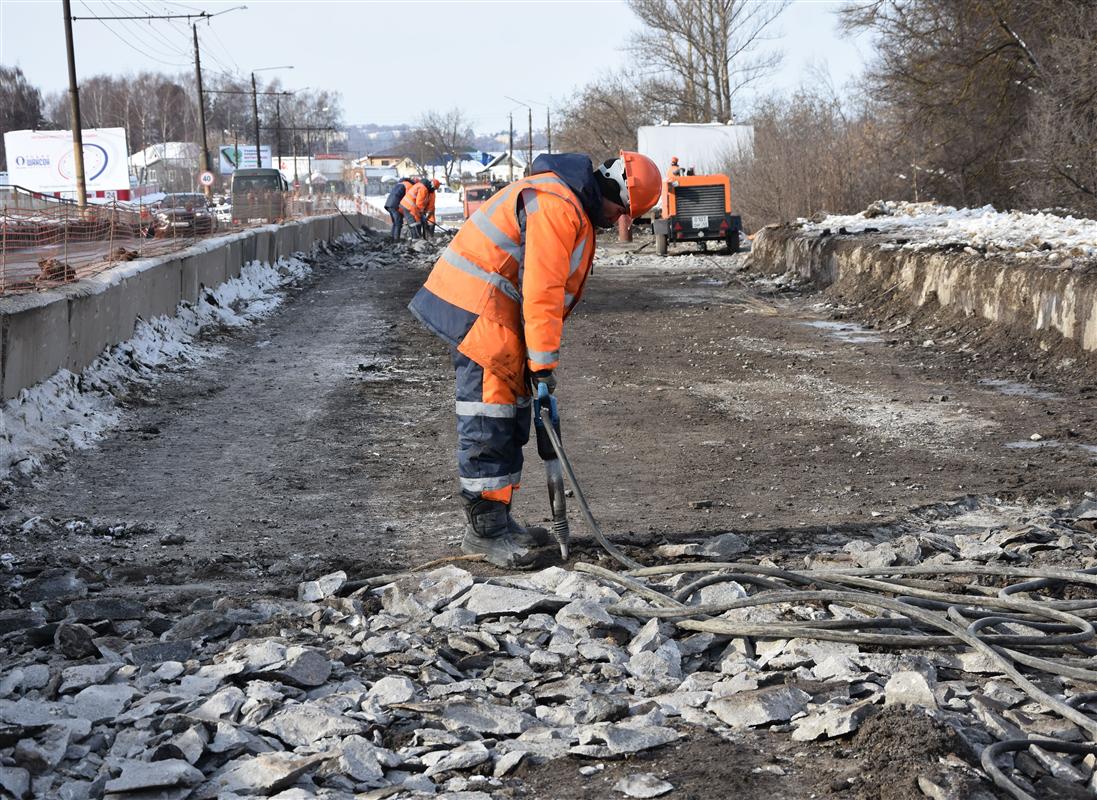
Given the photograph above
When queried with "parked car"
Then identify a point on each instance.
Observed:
(222, 209)
(183, 213)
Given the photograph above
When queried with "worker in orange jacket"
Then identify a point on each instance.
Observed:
(412, 205)
(673, 172)
(499, 296)
(392, 205)
(428, 210)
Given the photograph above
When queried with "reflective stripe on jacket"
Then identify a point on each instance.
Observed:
(414, 201)
(502, 289)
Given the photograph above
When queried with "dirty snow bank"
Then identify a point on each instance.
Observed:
(925, 225)
(71, 411)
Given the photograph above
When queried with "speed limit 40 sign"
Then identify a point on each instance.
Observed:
(206, 178)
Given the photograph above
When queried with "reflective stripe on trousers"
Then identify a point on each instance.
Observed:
(492, 427)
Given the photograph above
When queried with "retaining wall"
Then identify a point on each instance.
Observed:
(1033, 296)
(70, 326)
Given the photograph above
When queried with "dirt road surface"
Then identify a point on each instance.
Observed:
(695, 398)
(693, 402)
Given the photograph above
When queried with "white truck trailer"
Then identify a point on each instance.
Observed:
(707, 148)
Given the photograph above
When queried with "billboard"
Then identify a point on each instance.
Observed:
(43, 160)
(234, 157)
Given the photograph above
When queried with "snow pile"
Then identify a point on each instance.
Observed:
(928, 225)
(71, 411)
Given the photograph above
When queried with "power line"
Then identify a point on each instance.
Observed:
(227, 50)
(185, 30)
(172, 48)
(127, 42)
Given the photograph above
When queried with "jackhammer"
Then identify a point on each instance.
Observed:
(545, 415)
(551, 449)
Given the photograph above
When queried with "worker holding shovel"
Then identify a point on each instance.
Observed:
(428, 211)
(499, 296)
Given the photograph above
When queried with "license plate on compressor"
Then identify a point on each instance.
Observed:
(700, 222)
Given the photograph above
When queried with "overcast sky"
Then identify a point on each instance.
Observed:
(391, 60)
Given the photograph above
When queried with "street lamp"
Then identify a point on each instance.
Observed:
(255, 108)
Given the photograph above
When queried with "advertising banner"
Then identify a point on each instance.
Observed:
(232, 158)
(43, 161)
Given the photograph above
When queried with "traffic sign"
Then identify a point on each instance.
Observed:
(206, 178)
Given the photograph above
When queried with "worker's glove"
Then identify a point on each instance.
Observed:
(546, 377)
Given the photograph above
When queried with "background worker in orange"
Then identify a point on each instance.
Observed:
(428, 211)
(412, 208)
(673, 171)
(499, 296)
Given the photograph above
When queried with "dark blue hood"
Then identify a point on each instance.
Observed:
(574, 169)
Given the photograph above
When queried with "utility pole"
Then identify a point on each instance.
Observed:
(510, 153)
(203, 156)
(278, 130)
(74, 105)
(529, 162)
(296, 183)
(255, 116)
(548, 129)
(77, 136)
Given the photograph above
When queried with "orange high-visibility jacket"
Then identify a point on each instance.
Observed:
(673, 171)
(415, 201)
(428, 210)
(502, 289)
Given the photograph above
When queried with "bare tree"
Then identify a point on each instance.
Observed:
(20, 105)
(439, 137)
(604, 115)
(1056, 162)
(959, 76)
(707, 50)
(812, 153)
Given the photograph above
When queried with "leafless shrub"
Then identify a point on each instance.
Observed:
(812, 153)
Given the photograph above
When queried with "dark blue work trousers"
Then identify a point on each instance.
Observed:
(397, 222)
(492, 428)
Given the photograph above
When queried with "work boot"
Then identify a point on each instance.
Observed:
(487, 533)
(533, 536)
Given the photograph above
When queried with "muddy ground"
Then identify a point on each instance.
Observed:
(696, 399)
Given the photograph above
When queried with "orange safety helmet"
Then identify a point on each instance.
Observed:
(638, 180)
(644, 183)
(674, 161)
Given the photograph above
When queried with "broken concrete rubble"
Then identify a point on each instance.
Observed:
(450, 683)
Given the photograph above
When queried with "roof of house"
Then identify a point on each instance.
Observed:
(165, 151)
(519, 159)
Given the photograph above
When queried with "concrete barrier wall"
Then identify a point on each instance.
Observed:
(70, 326)
(1036, 297)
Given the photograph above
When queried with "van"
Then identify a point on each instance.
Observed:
(258, 195)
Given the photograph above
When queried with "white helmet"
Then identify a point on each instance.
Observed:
(614, 170)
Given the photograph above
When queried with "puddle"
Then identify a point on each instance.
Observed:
(846, 331)
(1028, 444)
(1088, 448)
(1016, 389)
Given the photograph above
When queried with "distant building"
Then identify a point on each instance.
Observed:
(383, 160)
(500, 167)
(170, 166)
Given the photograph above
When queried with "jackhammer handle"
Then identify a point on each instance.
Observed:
(545, 401)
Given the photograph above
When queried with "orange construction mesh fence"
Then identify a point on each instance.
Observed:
(59, 242)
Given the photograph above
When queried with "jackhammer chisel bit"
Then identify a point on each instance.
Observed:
(546, 414)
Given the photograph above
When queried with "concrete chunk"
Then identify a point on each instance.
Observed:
(486, 600)
(759, 707)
